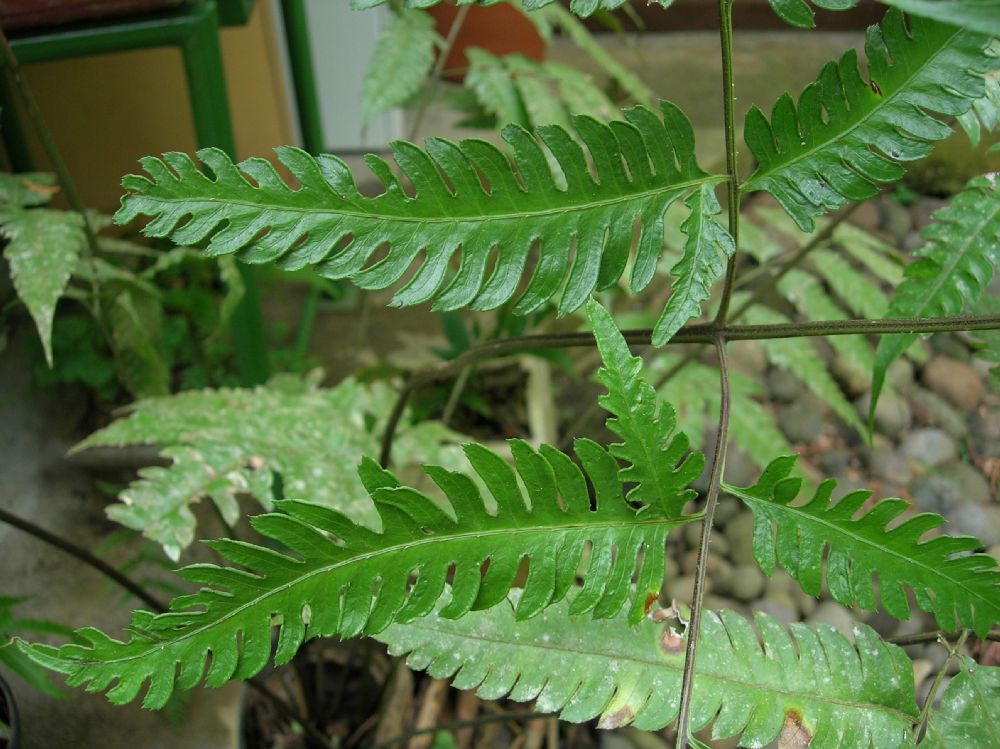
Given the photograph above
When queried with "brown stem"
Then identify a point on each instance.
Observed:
(697, 603)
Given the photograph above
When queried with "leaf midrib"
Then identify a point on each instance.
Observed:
(480, 218)
(398, 548)
(795, 695)
(761, 176)
(934, 572)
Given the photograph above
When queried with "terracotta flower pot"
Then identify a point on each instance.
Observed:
(499, 29)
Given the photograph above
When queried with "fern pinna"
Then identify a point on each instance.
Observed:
(467, 197)
(346, 579)
(810, 685)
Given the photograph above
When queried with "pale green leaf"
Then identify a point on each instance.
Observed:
(806, 683)
(42, 250)
(969, 714)
(402, 59)
(229, 441)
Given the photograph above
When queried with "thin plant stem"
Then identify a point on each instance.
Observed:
(923, 638)
(698, 333)
(732, 157)
(455, 724)
(925, 713)
(84, 556)
(290, 713)
(436, 73)
(697, 603)
(455, 394)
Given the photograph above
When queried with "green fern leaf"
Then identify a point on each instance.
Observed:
(644, 426)
(960, 589)
(706, 251)
(135, 319)
(956, 264)
(847, 134)
(807, 684)
(26, 190)
(494, 87)
(329, 224)
(978, 15)
(985, 112)
(807, 294)
(402, 59)
(800, 359)
(44, 246)
(347, 579)
(856, 290)
(969, 713)
(228, 441)
(798, 13)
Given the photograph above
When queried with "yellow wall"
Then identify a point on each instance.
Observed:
(107, 111)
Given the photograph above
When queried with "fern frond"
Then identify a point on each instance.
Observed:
(401, 60)
(584, 232)
(229, 441)
(645, 426)
(806, 684)
(339, 578)
(582, 8)
(706, 251)
(969, 713)
(798, 13)
(978, 15)
(954, 266)
(858, 292)
(807, 294)
(800, 359)
(848, 134)
(345, 579)
(960, 589)
(42, 250)
(985, 112)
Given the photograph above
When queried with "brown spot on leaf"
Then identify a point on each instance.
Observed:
(620, 717)
(794, 734)
(670, 641)
(650, 600)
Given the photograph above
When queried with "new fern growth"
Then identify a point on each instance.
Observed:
(539, 576)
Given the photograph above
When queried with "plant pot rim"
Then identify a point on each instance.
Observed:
(14, 722)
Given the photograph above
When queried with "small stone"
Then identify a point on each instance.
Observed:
(832, 613)
(779, 583)
(954, 381)
(934, 493)
(682, 588)
(900, 373)
(950, 346)
(922, 668)
(739, 534)
(806, 603)
(853, 380)
(721, 574)
(933, 409)
(692, 534)
(974, 520)
(747, 582)
(896, 220)
(834, 461)
(892, 414)
(867, 216)
(780, 606)
(887, 464)
(970, 482)
(725, 511)
(913, 242)
(784, 386)
(802, 420)
(929, 447)
(922, 211)
(747, 357)
(984, 424)
(740, 469)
